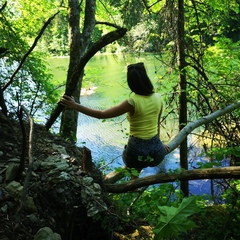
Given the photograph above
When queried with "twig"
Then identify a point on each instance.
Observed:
(29, 173)
(135, 199)
(29, 51)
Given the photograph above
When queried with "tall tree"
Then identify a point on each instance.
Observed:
(183, 90)
(79, 43)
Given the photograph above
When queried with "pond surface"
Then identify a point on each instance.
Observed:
(105, 86)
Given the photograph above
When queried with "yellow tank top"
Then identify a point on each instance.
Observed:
(144, 121)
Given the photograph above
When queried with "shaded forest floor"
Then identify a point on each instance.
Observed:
(56, 204)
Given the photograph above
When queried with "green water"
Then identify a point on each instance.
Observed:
(105, 76)
(105, 81)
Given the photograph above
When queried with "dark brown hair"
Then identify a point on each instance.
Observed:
(138, 80)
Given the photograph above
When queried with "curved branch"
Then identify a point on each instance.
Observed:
(97, 46)
(193, 125)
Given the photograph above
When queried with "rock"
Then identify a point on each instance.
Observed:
(92, 197)
(59, 149)
(30, 205)
(4, 208)
(11, 172)
(15, 190)
(61, 201)
(46, 233)
(32, 218)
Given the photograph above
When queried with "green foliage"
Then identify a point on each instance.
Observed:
(32, 86)
(209, 164)
(174, 220)
(128, 172)
(221, 153)
(151, 199)
(193, 218)
(218, 221)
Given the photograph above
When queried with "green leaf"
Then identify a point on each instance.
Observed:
(173, 220)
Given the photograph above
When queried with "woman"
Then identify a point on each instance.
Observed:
(143, 110)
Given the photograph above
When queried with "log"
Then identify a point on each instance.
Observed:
(184, 175)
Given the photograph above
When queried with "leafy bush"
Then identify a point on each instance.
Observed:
(174, 220)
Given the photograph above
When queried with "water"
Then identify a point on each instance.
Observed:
(106, 139)
(105, 86)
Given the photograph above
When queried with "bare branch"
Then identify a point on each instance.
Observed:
(3, 6)
(115, 176)
(184, 175)
(29, 173)
(193, 125)
(109, 24)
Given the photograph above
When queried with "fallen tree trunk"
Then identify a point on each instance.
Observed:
(115, 176)
(184, 175)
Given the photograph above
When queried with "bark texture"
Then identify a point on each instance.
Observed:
(185, 175)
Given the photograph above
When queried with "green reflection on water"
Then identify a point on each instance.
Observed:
(105, 84)
(106, 75)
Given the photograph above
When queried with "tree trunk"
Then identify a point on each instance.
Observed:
(183, 88)
(78, 47)
(69, 117)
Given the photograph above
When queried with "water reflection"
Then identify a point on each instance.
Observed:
(106, 86)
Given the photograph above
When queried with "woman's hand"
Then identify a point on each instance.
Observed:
(67, 101)
(101, 114)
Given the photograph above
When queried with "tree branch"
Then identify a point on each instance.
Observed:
(184, 175)
(108, 24)
(3, 6)
(193, 125)
(97, 46)
(115, 176)
(29, 173)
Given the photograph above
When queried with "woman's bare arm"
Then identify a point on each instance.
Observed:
(118, 110)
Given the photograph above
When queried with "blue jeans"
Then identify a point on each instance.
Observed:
(140, 153)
